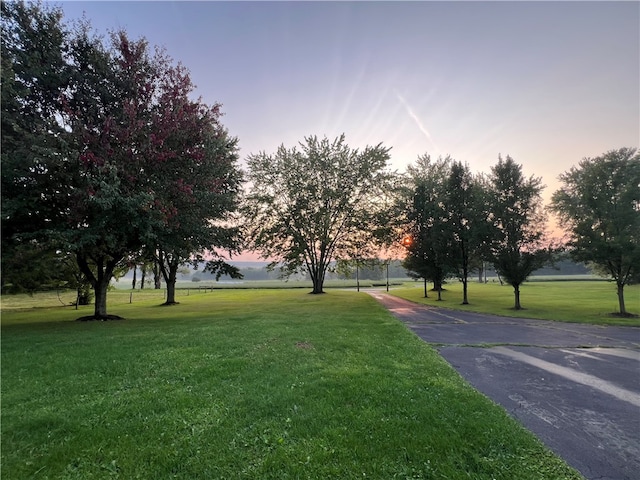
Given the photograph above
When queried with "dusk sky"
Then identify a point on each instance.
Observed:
(544, 82)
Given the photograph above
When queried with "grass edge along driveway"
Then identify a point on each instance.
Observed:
(590, 302)
(245, 385)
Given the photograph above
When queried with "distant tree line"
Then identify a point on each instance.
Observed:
(370, 269)
(109, 162)
(455, 222)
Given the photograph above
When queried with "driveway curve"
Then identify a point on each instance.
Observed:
(577, 387)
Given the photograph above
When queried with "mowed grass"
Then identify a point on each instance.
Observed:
(243, 384)
(568, 301)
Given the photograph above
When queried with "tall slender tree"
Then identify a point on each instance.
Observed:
(466, 205)
(599, 203)
(520, 244)
(429, 228)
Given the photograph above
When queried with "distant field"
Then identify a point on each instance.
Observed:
(247, 384)
(568, 301)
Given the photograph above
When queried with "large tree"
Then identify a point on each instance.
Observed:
(311, 205)
(468, 210)
(104, 151)
(107, 206)
(599, 204)
(428, 233)
(519, 240)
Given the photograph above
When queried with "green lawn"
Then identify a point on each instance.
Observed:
(567, 301)
(262, 384)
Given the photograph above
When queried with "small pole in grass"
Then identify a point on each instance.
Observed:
(131, 297)
(387, 276)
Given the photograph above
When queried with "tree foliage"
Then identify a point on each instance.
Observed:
(428, 230)
(466, 201)
(107, 156)
(315, 203)
(196, 183)
(599, 203)
(519, 240)
(33, 74)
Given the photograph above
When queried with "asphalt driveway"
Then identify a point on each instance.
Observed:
(577, 387)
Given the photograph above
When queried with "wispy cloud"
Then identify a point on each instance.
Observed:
(415, 117)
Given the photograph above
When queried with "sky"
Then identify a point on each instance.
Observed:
(547, 83)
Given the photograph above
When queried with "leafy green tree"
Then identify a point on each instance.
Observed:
(599, 203)
(311, 205)
(105, 155)
(466, 204)
(33, 75)
(107, 209)
(520, 244)
(428, 229)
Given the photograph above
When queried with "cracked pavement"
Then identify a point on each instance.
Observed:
(577, 387)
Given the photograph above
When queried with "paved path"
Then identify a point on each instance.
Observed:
(577, 387)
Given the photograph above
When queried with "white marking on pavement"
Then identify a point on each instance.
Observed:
(619, 352)
(578, 377)
(581, 354)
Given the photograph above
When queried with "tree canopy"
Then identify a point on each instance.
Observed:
(467, 204)
(106, 153)
(33, 74)
(519, 241)
(599, 203)
(429, 237)
(315, 203)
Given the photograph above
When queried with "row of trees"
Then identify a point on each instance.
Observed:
(455, 221)
(322, 201)
(109, 161)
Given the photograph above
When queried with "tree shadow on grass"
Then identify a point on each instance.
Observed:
(623, 315)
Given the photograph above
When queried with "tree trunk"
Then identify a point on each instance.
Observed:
(318, 283)
(440, 294)
(171, 292)
(426, 288)
(99, 276)
(100, 289)
(623, 310)
(133, 283)
(317, 278)
(465, 278)
(516, 292)
(465, 299)
(170, 280)
(157, 280)
(143, 275)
